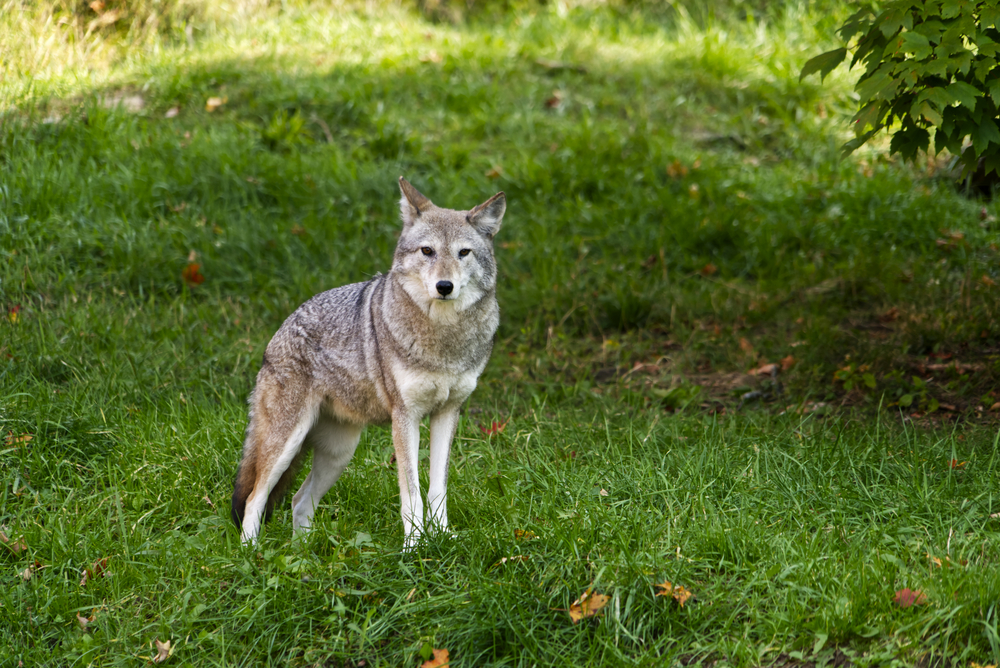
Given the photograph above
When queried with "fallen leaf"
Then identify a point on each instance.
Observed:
(13, 313)
(677, 170)
(97, 6)
(588, 605)
(521, 534)
(15, 546)
(213, 103)
(555, 100)
(83, 621)
(172, 112)
(787, 363)
(987, 281)
(494, 172)
(191, 274)
(955, 464)
(906, 598)
(163, 651)
(995, 407)
(178, 208)
(431, 57)
(603, 492)
(439, 661)
(708, 269)
(26, 574)
(934, 560)
(766, 370)
(676, 592)
(494, 428)
(298, 230)
(23, 438)
(208, 501)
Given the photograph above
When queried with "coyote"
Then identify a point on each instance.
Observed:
(395, 348)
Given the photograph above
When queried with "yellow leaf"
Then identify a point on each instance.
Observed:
(521, 534)
(213, 103)
(439, 661)
(677, 592)
(588, 605)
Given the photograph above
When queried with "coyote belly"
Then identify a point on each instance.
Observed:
(394, 349)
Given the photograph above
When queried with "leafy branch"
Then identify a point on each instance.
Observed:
(930, 71)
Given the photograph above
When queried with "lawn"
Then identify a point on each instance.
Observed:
(679, 217)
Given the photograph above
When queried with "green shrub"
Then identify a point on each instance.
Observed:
(929, 73)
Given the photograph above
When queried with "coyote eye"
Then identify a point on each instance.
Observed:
(427, 250)
(464, 252)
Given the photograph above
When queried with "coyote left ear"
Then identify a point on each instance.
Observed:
(487, 216)
(412, 203)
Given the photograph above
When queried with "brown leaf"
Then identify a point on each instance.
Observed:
(23, 438)
(26, 573)
(787, 363)
(906, 598)
(83, 621)
(494, 172)
(213, 103)
(15, 546)
(708, 269)
(192, 274)
(934, 560)
(163, 651)
(588, 605)
(746, 346)
(439, 660)
(521, 534)
(677, 170)
(890, 315)
(494, 428)
(97, 6)
(766, 370)
(555, 100)
(987, 281)
(955, 464)
(298, 230)
(676, 592)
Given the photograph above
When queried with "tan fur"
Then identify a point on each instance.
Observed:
(396, 348)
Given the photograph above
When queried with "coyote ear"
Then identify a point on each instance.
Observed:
(487, 216)
(412, 204)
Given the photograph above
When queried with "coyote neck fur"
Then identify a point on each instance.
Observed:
(437, 337)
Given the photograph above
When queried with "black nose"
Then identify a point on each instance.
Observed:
(445, 288)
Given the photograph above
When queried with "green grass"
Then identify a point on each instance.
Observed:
(685, 140)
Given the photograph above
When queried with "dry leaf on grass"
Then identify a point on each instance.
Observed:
(439, 660)
(787, 363)
(588, 605)
(906, 598)
(521, 534)
(14, 546)
(516, 557)
(83, 621)
(192, 274)
(26, 573)
(22, 438)
(163, 651)
(97, 569)
(766, 370)
(676, 592)
(494, 428)
(213, 103)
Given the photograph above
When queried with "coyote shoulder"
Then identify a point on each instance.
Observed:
(397, 348)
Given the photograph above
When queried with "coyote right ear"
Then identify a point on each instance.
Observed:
(412, 203)
(486, 217)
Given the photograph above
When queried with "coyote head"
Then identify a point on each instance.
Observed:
(445, 257)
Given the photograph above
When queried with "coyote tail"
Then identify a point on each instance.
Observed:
(246, 482)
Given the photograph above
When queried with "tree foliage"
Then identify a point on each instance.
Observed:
(930, 73)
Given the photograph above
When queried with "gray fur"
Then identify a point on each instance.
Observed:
(393, 349)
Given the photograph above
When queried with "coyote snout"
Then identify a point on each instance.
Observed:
(395, 349)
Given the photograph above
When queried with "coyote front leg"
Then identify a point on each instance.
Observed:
(406, 441)
(443, 425)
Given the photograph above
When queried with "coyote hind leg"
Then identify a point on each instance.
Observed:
(333, 446)
(276, 445)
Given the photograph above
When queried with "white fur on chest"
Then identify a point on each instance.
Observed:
(425, 392)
